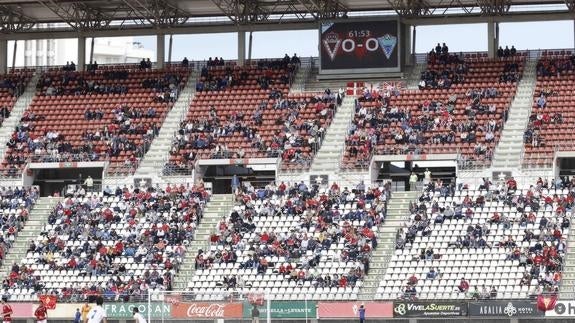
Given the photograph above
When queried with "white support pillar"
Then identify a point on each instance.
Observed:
(241, 48)
(160, 50)
(3, 56)
(81, 54)
(492, 39)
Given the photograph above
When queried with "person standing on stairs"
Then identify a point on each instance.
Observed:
(426, 177)
(235, 184)
(413, 182)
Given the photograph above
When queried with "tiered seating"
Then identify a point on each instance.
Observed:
(246, 112)
(292, 243)
(12, 85)
(434, 119)
(506, 240)
(15, 204)
(314, 115)
(56, 127)
(551, 128)
(116, 245)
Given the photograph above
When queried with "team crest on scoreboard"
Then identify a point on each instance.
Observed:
(387, 43)
(331, 43)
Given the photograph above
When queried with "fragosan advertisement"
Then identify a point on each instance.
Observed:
(504, 308)
(430, 309)
(122, 310)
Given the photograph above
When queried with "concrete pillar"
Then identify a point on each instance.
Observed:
(241, 48)
(496, 40)
(250, 47)
(406, 44)
(92, 51)
(170, 43)
(413, 39)
(14, 55)
(492, 39)
(81, 54)
(3, 56)
(160, 50)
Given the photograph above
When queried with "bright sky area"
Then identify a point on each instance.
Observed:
(469, 37)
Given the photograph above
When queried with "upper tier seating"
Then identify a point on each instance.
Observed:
(109, 114)
(117, 244)
(293, 243)
(247, 112)
(490, 242)
(460, 108)
(12, 85)
(552, 120)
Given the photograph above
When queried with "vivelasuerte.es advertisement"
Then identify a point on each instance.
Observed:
(433, 309)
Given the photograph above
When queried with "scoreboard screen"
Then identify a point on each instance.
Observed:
(360, 47)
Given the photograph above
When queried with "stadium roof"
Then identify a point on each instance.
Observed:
(66, 18)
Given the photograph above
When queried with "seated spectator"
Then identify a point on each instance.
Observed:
(432, 274)
(463, 286)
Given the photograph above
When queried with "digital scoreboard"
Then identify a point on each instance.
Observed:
(359, 47)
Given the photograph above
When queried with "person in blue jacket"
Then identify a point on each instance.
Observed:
(361, 313)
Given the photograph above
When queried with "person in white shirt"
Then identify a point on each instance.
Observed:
(426, 177)
(138, 317)
(97, 314)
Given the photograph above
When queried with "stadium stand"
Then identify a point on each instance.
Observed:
(494, 241)
(461, 106)
(116, 244)
(15, 205)
(112, 114)
(248, 112)
(551, 119)
(293, 242)
(12, 85)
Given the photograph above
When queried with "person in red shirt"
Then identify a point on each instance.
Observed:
(41, 313)
(6, 311)
(463, 286)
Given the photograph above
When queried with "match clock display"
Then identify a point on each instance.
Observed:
(359, 45)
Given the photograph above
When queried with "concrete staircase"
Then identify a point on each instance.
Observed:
(414, 76)
(301, 78)
(509, 150)
(218, 207)
(397, 211)
(567, 289)
(20, 106)
(327, 159)
(33, 227)
(153, 162)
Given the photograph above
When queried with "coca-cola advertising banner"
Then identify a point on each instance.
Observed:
(205, 310)
(348, 310)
